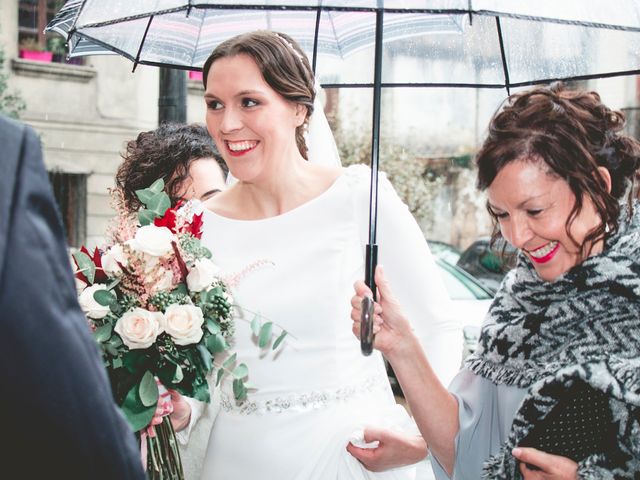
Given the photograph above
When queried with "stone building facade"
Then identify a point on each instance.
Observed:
(84, 114)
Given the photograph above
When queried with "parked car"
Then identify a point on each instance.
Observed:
(487, 264)
(444, 251)
(470, 301)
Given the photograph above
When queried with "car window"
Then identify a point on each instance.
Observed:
(460, 285)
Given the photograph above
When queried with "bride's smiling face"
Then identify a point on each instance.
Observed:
(253, 126)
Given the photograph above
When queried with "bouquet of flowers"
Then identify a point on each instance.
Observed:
(160, 313)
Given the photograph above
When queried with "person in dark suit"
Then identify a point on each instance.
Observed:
(57, 414)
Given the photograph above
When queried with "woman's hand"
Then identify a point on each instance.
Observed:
(550, 466)
(395, 449)
(181, 414)
(391, 327)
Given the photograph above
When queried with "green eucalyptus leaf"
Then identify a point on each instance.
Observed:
(159, 203)
(157, 186)
(110, 350)
(239, 390)
(85, 265)
(180, 290)
(205, 355)
(105, 298)
(166, 374)
(164, 205)
(146, 217)
(178, 376)
(279, 340)
(265, 334)
(148, 390)
(241, 371)
(212, 326)
(255, 326)
(103, 333)
(117, 363)
(229, 361)
(216, 343)
(219, 376)
(116, 309)
(213, 294)
(133, 360)
(145, 195)
(201, 392)
(137, 414)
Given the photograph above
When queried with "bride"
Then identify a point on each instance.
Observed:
(291, 233)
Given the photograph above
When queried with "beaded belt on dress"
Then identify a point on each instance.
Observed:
(301, 402)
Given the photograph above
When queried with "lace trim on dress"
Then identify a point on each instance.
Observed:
(303, 402)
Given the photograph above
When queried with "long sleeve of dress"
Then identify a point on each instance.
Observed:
(412, 273)
(485, 414)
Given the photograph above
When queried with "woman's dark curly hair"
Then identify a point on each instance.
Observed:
(167, 153)
(573, 133)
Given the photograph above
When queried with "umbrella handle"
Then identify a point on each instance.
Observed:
(366, 319)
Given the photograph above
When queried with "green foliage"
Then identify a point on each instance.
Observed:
(56, 45)
(103, 333)
(192, 247)
(85, 265)
(155, 200)
(105, 298)
(265, 334)
(11, 103)
(148, 390)
(408, 173)
(137, 406)
(279, 340)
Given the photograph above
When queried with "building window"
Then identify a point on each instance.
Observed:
(70, 192)
(33, 17)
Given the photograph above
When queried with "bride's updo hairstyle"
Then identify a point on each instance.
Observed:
(283, 64)
(573, 133)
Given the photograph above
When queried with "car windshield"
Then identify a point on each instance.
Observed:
(460, 285)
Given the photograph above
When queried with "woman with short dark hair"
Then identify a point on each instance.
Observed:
(182, 155)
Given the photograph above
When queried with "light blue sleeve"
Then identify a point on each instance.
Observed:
(485, 413)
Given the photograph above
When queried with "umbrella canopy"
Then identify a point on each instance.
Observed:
(481, 43)
(494, 43)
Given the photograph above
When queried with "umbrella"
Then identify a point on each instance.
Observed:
(487, 43)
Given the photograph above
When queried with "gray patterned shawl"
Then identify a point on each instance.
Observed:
(585, 325)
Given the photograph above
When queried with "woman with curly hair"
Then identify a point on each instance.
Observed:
(184, 156)
(552, 390)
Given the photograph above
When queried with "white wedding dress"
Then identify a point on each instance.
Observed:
(317, 389)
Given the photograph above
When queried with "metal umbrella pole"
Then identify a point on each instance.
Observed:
(371, 259)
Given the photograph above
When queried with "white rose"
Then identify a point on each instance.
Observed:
(184, 323)
(88, 304)
(113, 259)
(201, 275)
(139, 328)
(80, 285)
(155, 241)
